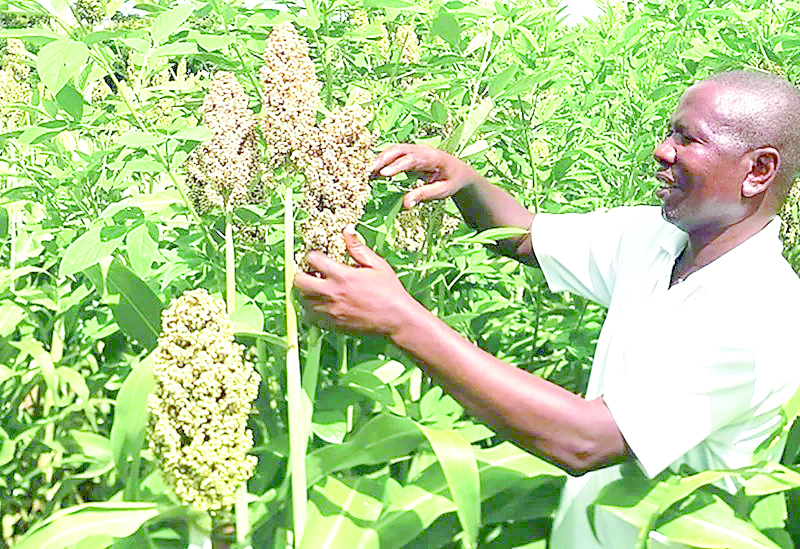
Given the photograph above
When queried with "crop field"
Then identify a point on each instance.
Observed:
(163, 172)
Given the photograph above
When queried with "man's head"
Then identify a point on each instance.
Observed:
(732, 152)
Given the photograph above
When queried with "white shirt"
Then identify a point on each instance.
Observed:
(694, 374)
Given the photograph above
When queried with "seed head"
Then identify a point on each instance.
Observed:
(201, 401)
(289, 94)
(15, 87)
(222, 170)
(411, 227)
(337, 180)
(406, 38)
(90, 11)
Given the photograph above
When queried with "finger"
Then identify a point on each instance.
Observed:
(388, 156)
(324, 265)
(309, 285)
(404, 163)
(431, 191)
(360, 251)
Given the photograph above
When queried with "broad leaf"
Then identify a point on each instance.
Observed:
(383, 438)
(169, 22)
(70, 526)
(87, 250)
(714, 524)
(59, 61)
(138, 310)
(341, 512)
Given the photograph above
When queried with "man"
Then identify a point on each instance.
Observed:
(696, 354)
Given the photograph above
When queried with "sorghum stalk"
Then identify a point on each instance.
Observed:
(298, 439)
(240, 507)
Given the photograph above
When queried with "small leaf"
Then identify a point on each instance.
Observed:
(138, 311)
(59, 61)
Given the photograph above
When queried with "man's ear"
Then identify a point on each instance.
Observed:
(765, 163)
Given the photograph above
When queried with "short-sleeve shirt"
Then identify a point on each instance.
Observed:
(692, 374)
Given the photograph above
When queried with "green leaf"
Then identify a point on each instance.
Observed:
(142, 249)
(168, 22)
(247, 316)
(330, 425)
(138, 311)
(714, 524)
(70, 526)
(472, 124)
(138, 138)
(59, 61)
(130, 420)
(41, 359)
(10, 317)
(175, 49)
(461, 471)
(340, 512)
(198, 133)
(640, 501)
(381, 439)
(368, 385)
(75, 381)
(7, 448)
(71, 101)
(214, 42)
(96, 449)
(87, 250)
(413, 509)
(401, 4)
(446, 26)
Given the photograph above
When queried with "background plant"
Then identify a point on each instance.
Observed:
(99, 233)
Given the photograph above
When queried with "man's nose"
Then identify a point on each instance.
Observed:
(664, 153)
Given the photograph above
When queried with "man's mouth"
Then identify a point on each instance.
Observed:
(666, 185)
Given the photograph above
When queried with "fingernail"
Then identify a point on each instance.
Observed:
(385, 172)
(412, 203)
(350, 229)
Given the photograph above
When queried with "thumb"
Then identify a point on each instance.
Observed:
(359, 251)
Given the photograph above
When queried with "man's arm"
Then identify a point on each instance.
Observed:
(482, 204)
(576, 434)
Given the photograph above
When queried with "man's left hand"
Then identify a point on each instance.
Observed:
(366, 299)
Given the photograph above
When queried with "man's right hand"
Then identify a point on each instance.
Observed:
(445, 174)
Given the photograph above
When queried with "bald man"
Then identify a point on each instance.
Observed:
(696, 356)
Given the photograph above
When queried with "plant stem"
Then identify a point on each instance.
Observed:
(241, 511)
(298, 439)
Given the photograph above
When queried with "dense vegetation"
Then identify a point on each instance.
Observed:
(101, 229)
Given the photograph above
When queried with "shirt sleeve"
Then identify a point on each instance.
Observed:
(685, 375)
(579, 252)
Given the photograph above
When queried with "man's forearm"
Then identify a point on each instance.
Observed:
(567, 430)
(485, 206)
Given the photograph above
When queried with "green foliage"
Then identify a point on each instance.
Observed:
(98, 233)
